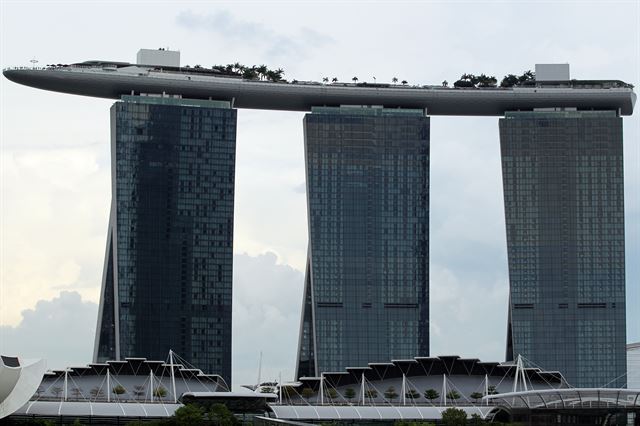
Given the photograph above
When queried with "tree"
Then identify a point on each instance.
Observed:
(266, 389)
(355, 79)
(325, 79)
(249, 73)
(76, 392)
(160, 392)
(454, 417)
(139, 390)
(404, 82)
(476, 396)
(476, 419)
(307, 393)
(118, 389)
(221, 416)
(445, 83)
(349, 393)
(334, 80)
(371, 393)
(56, 391)
(394, 80)
(96, 393)
(486, 81)
(189, 415)
(431, 394)
(262, 71)
(453, 394)
(526, 76)
(412, 394)
(491, 390)
(390, 393)
(509, 80)
(332, 393)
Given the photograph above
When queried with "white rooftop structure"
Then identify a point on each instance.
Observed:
(552, 72)
(160, 57)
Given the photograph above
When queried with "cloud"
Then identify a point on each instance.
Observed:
(60, 330)
(468, 317)
(235, 30)
(300, 188)
(267, 301)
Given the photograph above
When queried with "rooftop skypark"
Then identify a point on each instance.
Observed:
(158, 72)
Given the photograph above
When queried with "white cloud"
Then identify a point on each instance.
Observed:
(236, 30)
(267, 301)
(60, 330)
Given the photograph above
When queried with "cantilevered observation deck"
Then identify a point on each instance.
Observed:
(114, 79)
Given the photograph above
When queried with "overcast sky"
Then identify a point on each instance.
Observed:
(55, 176)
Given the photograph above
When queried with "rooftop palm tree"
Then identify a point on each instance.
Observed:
(404, 82)
(394, 80)
(355, 79)
(334, 80)
(325, 79)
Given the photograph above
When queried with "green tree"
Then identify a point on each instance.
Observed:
(189, 415)
(476, 419)
(96, 393)
(76, 392)
(492, 390)
(526, 76)
(476, 396)
(262, 71)
(307, 393)
(453, 394)
(509, 80)
(412, 394)
(394, 80)
(221, 416)
(371, 393)
(160, 392)
(431, 394)
(56, 391)
(118, 389)
(349, 393)
(266, 389)
(139, 390)
(390, 393)
(332, 393)
(404, 82)
(454, 417)
(76, 422)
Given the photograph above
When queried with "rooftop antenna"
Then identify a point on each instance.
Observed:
(33, 61)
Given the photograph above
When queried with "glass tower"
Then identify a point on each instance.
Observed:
(168, 263)
(367, 276)
(563, 194)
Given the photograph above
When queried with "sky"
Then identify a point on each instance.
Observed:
(55, 155)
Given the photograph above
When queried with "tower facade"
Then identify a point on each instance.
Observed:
(563, 193)
(367, 276)
(168, 264)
